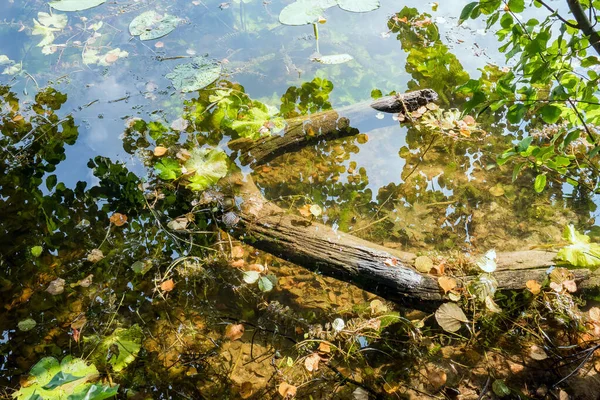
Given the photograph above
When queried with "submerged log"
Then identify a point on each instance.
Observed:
(386, 272)
(327, 125)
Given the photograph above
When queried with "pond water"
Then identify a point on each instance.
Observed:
(84, 106)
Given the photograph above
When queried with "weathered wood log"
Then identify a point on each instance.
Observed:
(386, 272)
(327, 125)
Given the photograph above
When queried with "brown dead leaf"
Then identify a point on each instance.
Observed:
(57, 286)
(160, 151)
(234, 331)
(256, 267)
(324, 347)
(570, 285)
(237, 252)
(239, 263)
(537, 353)
(246, 390)
(111, 57)
(95, 255)
(447, 283)
(305, 211)
(286, 390)
(437, 378)
(159, 45)
(167, 286)
(17, 118)
(118, 219)
(533, 286)
(311, 363)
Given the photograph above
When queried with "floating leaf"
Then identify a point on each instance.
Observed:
(580, 253)
(304, 12)
(36, 251)
(168, 169)
(118, 219)
(195, 75)
(488, 261)
(58, 21)
(234, 331)
(334, 59)
(160, 151)
(93, 56)
(167, 285)
(286, 390)
(75, 5)
(250, 277)
(359, 5)
(311, 363)
(95, 255)
(208, 164)
(152, 25)
(56, 287)
(26, 324)
(449, 316)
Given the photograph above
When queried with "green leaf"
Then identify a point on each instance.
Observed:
(540, 183)
(75, 5)
(580, 253)
(27, 324)
(61, 378)
(517, 170)
(250, 277)
(95, 392)
(195, 75)
(51, 181)
(550, 113)
(265, 284)
(152, 25)
(466, 12)
(120, 348)
(36, 251)
(168, 169)
(209, 165)
(358, 5)
(516, 112)
(500, 389)
(516, 5)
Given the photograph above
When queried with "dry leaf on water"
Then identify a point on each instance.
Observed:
(237, 252)
(237, 263)
(446, 283)
(256, 267)
(118, 219)
(286, 390)
(533, 286)
(167, 286)
(160, 151)
(95, 255)
(85, 282)
(311, 363)
(57, 286)
(234, 331)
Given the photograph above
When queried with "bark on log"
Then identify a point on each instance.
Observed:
(327, 125)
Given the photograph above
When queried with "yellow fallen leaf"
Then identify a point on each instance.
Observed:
(311, 363)
(286, 390)
(447, 283)
(167, 286)
(118, 219)
(234, 331)
(160, 151)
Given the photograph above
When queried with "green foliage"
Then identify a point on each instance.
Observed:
(208, 166)
(118, 349)
(581, 252)
(70, 380)
(310, 98)
(168, 169)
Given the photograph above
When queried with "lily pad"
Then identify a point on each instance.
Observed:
(195, 75)
(334, 59)
(304, 12)
(152, 25)
(359, 5)
(75, 5)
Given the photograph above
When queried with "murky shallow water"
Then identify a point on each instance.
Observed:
(393, 184)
